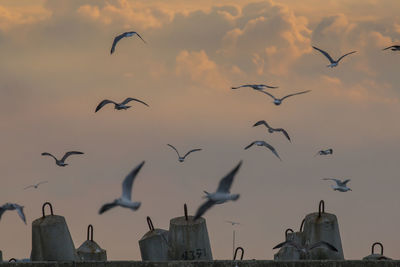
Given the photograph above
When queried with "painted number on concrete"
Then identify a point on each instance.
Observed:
(194, 254)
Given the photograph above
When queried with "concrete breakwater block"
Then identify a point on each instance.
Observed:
(90, 250)
(375, 256)
(154, 244)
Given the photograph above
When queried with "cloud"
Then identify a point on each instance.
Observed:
(10, 17)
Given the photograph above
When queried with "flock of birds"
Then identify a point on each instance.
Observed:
(222, 193)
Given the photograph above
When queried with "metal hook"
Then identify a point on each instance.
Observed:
(321, 208)
(12, 260)
(373, 247)
(236, 250)
(286, 232)
(51, 208)
(150, 223)
(90, 232)
(186, 212)
(302, 225)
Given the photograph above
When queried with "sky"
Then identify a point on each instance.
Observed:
(56, 67)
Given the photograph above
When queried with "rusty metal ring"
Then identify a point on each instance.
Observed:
(12, 260)
(321, 208)
(236, 250)
(186, 212)
(90, 232)
(287, 231)
(302, 225)
(150, 223)
(51, 208)
(373, 247)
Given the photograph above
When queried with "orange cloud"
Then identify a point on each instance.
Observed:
(10, 17)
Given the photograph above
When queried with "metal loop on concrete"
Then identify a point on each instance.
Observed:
(51, 208)
(302, 225)
(150, 223)
(236, 250)
(186, 212)
(373, 247)
(321, 208)
(90, 232)
(12, 260)
(287, 231)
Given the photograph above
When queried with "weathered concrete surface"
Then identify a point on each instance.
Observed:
(91, 251)
(154, 245)
(245, 263)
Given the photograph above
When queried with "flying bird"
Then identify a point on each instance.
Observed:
(233, 223)
(263, 143)
(334, 63)
(119, 37)
(125, 200)
(393, 48)
(306, 248)
(340, 185)
(278, 101)
(258, 87)
(61, 162)
(182, 159)
(13, 206)
(36, 185)
(119, 106)
(271, 130)
(325, 152)
(222, 194)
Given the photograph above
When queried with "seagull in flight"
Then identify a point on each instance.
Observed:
(119, 37)
(61, 162)
(125, 200)
(393, 48)
(35, 185)
(222, 194)
(306, 248)
(258, 87)
(182, 159)
(325, 152)
(340, 185)
(334, 63)
(118, 106)
(233, 223)
(278, 101)
(271, 130)
(13, 206)
(263, 143)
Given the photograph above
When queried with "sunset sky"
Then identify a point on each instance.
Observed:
(56, 67)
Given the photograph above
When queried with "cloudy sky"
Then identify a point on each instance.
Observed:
(56, 67)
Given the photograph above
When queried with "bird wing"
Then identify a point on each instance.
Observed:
(103, 103)
(20, 211)
(106, 207)
(193, 150)
(42, 182)
(261, 123)
(271, 87)
(284, 132)
(48, 154)
(174, 149)
(246, 85)
(299, 93)
(288, 243)
(322, 244)
(272, 149)
(116, 40)
(70, 153)
(29, 187)
(226, 182)
(250, 145)
(346, 55)
(203, 208)
(325, 54)
(127, 184)
(140, 37)
(2, 210)
(389, 47)
(338, 182)
(129, 99)
(267, 94)
(345, 182)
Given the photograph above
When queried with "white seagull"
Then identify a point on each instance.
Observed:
(271, 130)
(305, 248)
(393, 48)
(13, 206)
(222, 194)
(61, 162)
(258, 87)
(119, 37)
(233, 223)
(340, 185)
(334, 63)
(36, 185)
(325, 152)
(278, 101)
(182, 159)
(125, 200)
(118, 106)
(263, 143)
